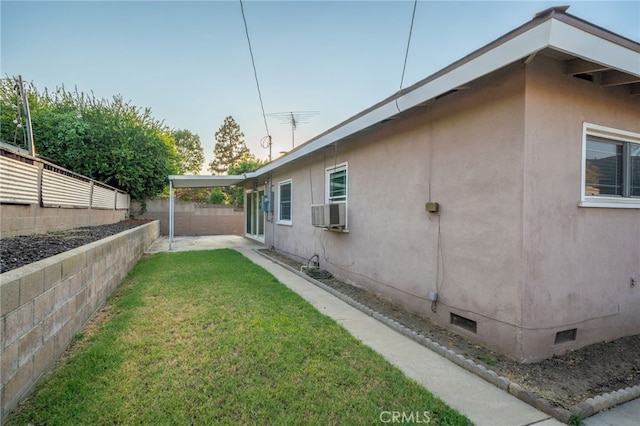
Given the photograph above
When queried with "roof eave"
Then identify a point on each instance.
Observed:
(205, 181)
(549, 29)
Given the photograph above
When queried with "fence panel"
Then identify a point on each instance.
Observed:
(18, 182)
(59, 190)
(103, 198)
(122, 201)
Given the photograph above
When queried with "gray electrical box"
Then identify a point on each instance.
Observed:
(432, 207)
(267, 202)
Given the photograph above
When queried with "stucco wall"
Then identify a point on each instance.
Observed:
(464, 151)
(510, 249)
(44, 304)
(194, 219)
(579, 260)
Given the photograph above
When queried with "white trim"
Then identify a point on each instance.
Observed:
(626, 204)
(614, 135)
(551, 33)
(290, 221)
(327, 173)
(255, 237)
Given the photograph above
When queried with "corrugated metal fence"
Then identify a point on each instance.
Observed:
(25, 180)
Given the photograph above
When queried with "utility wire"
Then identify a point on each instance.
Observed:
(406, 53)
(255, 73)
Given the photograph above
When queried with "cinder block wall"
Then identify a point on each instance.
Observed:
(193, 219)
(43, 305)
(33, 219)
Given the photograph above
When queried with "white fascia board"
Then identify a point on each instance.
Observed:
(520, 46)
(551, 33)
(569, 39)
(204, 181)
(512, 50)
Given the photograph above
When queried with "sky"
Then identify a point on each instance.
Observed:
(323, 61)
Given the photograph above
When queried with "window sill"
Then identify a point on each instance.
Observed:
(284, 222)
(611, 203)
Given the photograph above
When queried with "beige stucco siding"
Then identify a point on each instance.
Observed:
(467, 149)
(579, 260)
(510, 248)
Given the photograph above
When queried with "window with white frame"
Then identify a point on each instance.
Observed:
(284, 202)
(336, 184)
(610, 167)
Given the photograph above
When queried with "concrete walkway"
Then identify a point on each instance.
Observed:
(209, 242)
(480, 401)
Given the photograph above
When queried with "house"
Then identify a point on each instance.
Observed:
(499, 197)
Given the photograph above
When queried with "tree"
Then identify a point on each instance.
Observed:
(190, 152)
(247, 164)
(230, 147)
(110, 141)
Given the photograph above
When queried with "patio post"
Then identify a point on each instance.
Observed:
(170, 212)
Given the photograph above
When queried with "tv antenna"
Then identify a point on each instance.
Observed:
(294, 119)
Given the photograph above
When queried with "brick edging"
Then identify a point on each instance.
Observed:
(583, 409)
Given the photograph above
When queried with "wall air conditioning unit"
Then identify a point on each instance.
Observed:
(330, 216)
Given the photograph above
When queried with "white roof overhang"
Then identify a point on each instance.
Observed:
(204, 181)
(556, 31)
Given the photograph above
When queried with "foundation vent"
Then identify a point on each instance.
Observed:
(565, 336)
(464, 323)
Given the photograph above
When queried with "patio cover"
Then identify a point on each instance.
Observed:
(198, 181)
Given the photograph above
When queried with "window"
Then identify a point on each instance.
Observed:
(284, 202)
(336, 187)
(611, 168)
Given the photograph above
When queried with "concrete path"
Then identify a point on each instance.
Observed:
(208, 242)
(627, 414)
(479, 400)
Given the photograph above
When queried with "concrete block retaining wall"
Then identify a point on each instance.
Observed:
(44, 304)
(33, 219)
(193, 219)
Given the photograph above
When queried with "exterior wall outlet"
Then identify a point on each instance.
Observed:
(432, 207)
(433, 296)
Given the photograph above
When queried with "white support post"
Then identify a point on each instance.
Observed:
(171, 212)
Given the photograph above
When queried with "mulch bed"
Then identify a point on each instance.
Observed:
(23, 250)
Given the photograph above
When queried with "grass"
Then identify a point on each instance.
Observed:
(487, 359)
(208, 337)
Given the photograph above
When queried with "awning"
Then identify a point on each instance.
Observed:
(197, 181)
(204, 181)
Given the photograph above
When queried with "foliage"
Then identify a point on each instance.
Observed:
(218, 196)
(247, 164)
(224, 343)
(190, 152)
(230, 147)
(110, 141)
(196, 195)
(575, 420)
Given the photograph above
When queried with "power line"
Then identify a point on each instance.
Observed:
(255, 74)
(406, 53)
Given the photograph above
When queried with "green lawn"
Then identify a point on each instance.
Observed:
(208, 337)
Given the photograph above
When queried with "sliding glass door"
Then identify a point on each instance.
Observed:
(254, 214)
